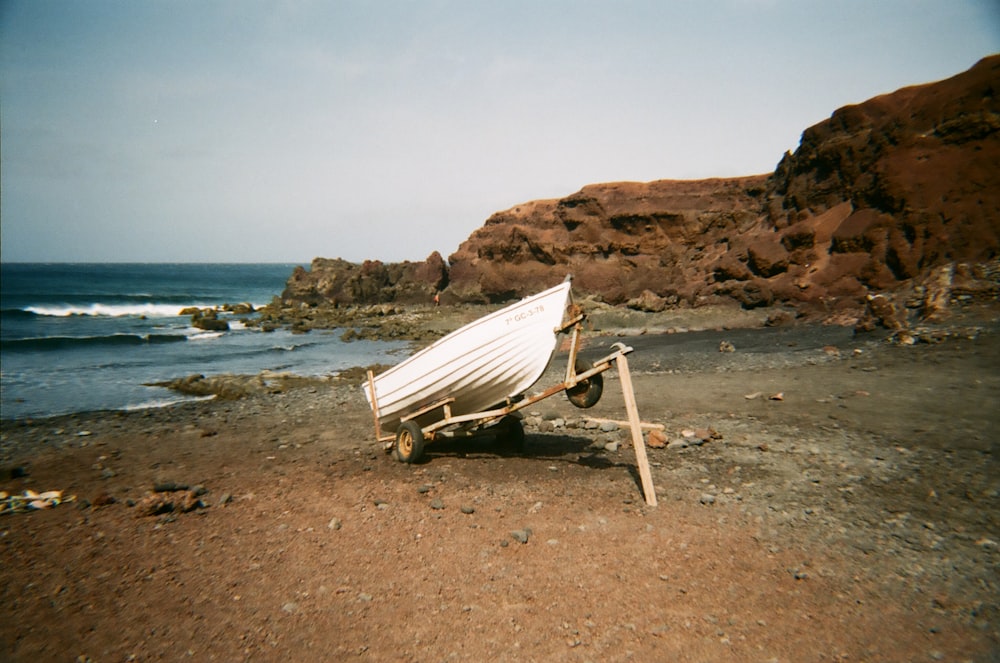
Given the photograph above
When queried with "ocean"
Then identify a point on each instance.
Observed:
(83, 337)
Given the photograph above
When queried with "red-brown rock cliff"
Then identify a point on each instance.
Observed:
(880, 194)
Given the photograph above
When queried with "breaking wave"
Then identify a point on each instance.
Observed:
(111, 310)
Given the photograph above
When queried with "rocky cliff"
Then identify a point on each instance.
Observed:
(883, 193)
(336, 282)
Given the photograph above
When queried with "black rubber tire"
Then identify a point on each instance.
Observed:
(587, 392)
(511, 433)
(409, 442)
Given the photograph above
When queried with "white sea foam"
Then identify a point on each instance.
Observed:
(166, 402)
(121, 310)
(204, 336)
(113, 310)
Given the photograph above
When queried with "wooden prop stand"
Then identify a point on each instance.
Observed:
(648, 491)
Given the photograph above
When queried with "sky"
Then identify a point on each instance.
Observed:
(278, 131)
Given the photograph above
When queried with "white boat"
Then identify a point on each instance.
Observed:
(480, 365)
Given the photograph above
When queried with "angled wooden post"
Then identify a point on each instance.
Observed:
(649, 492)
(375, 412)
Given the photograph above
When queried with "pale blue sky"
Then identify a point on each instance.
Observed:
(201, 130)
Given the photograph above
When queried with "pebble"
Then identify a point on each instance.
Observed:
(290, 607)
(678, 444)
(426, 488)
(609, 426)
(334, 524)
(611, 446)
(437, 504)
(707, 498)
(521, 535)
(656, 439)
(987, 544)
(468, 510)
(169, 486)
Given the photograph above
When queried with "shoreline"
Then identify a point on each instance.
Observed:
(421, 325)
(684, 327)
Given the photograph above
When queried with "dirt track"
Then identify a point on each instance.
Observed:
(856, 518)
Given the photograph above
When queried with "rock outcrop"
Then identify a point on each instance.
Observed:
(887, 192)
(336, 281)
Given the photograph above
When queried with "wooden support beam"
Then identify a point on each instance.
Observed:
(649, 492)
(375, 412)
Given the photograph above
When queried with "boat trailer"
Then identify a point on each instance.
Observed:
(583, 385)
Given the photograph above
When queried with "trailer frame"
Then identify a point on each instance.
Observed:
(474, 424)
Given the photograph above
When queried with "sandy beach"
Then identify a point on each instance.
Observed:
(822, 496)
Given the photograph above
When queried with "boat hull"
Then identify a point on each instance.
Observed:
(496, 357)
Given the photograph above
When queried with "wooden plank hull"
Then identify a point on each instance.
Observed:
(496, 357)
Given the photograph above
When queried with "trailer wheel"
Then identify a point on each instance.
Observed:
(511, 433)
(587, 392)
(409, 442)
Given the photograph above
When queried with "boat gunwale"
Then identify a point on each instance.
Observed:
(470, 372)
(463, 330)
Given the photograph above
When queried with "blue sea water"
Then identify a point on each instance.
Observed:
(82, 337)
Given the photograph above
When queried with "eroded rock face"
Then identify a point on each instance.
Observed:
(617, 240)
(884, 192)
(336, 281)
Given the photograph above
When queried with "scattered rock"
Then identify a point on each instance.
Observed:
(726, 346)
(987, 544)
(649, 302)
(655, 439)
(879, 312)
(521, 535)
(169, 487)
(155, 504)
(103, 499)
(706, 434)
(208, 320)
